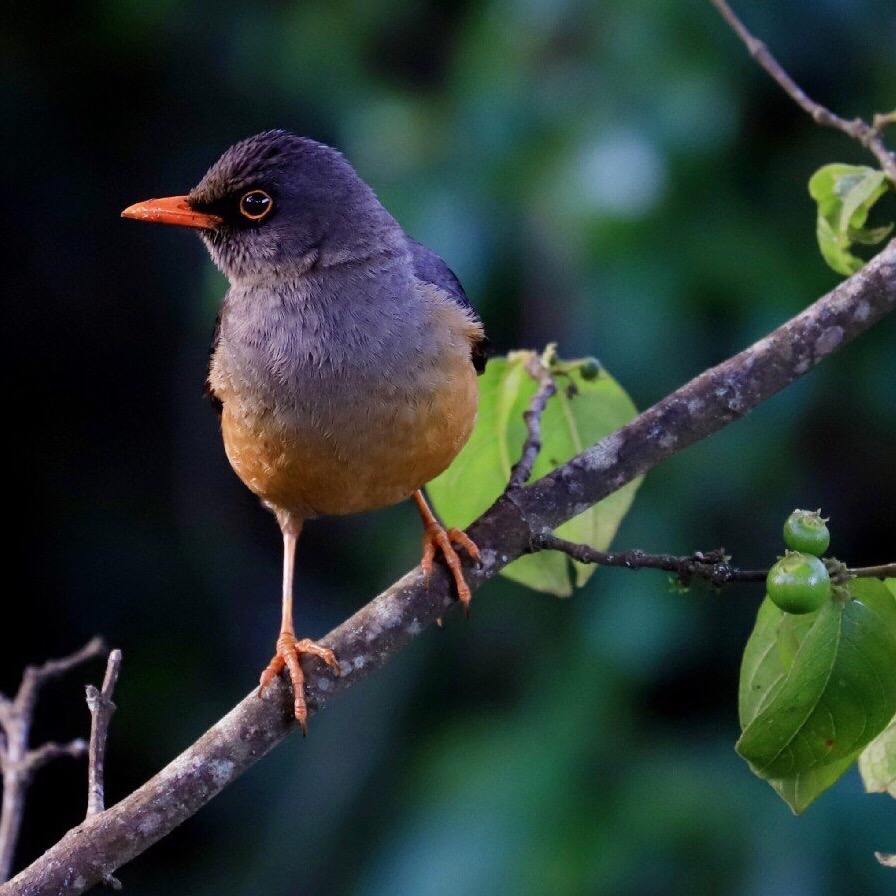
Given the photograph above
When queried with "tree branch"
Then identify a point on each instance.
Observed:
(884, 571)
(37, 758)
(713, 566)
(101, 707)
(522, 469)
(17, 763)
(868, 135)
(368, 639)
(883, 120)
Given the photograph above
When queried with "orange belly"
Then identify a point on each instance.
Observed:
(376, 455)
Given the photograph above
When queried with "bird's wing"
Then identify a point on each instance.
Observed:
(207, 390)
(430, 268)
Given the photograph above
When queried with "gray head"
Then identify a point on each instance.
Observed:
(275, 204)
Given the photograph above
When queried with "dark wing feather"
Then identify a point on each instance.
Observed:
(207, 387)
(430, 268)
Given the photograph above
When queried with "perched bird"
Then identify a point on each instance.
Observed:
(345, 353)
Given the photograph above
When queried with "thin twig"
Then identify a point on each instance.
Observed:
(366, 641)
(866, 134)
(18, 764)
(101, 707)
(522, 469)
(40, 756)
(884, 571)
(713, 566)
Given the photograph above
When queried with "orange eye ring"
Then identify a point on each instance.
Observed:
(255, 205)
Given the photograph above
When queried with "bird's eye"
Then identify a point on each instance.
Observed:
(255, 205)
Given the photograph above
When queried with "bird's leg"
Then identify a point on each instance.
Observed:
(437, 537)
(289, 649)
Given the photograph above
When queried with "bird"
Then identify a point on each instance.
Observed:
(344, 358)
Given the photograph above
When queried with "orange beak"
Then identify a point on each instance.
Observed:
(172, 210)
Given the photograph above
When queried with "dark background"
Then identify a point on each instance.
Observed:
(619, 177)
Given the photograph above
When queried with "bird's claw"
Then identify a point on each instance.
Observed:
(437, 537)
(288, 656)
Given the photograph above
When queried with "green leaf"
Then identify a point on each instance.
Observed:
(799, 791)
(880, 596)
(761, 671)
(816, 689)
(877, 764)
(581, 413)
(870, 236)
(845, 194)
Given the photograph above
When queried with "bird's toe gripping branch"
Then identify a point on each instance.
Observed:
(436, 537)
(288, 656)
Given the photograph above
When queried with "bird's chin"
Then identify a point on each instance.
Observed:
(224, 254)
(214, 239)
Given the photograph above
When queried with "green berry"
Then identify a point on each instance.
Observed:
(589, 369)
(806, 531)
(798, 583)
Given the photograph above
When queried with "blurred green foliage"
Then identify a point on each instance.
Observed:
(615, 176)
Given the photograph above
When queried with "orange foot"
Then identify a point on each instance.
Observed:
(288, 655)
(436, 536)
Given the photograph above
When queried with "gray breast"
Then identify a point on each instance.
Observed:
(320, 349)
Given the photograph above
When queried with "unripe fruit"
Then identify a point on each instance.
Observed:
(798, 583)
(806, 531)
(589, 369)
